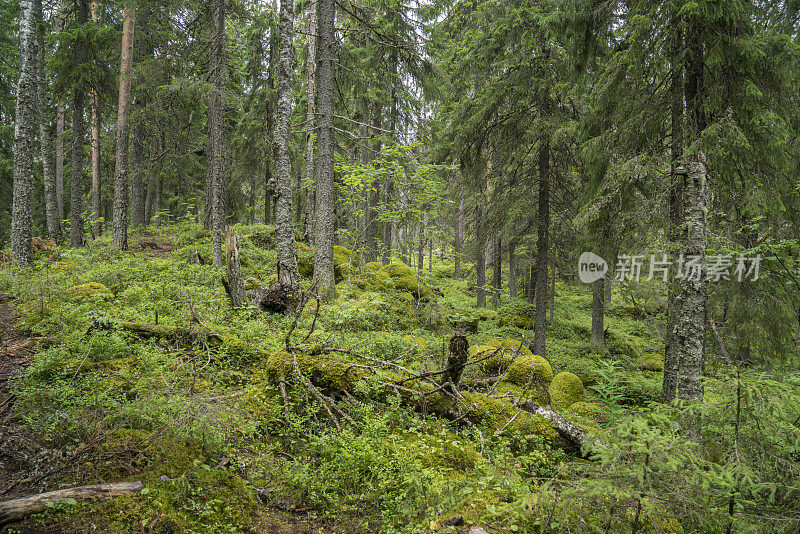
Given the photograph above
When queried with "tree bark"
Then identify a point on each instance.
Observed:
(76, 180)
(216, 126)
(458, 238)
(670, 382)
(46, 137)
(119, 230)
(540, 320)
(97, 227)
(234, 285)
(137, 177)
(497, 271)
(480, 254)
(512, 270)
(24, 131)
(598, 315)
(324, 231)
(17, 509)
(311, 89)
(60, 166)
(285, 242)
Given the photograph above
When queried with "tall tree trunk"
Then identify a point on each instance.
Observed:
(497, 271)
(119, 230)
(458, 238)
(670, 382)
(285, 244)
(540, 320)
(598, 315)
(46, 137)
(76, 180)
(24, 131)
(480, 254)
(97, 226)
(61, 111)
(311, 90)
(216, 127)
(513, 284)
(324, 223)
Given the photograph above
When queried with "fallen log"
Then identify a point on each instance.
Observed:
(145, 330)
(17, 509)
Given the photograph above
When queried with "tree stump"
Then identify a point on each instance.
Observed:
(233, 282)
(456, 360)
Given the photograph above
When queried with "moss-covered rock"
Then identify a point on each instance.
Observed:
(89, 289)
(343, 262)
(518, 313)
(523, 367)
(566, 389)
(406, 279)
(305, 259)
(651, 361)
(511, 344)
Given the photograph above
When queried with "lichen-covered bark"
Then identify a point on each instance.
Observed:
(119, 236)
(311, 89)
(233, 269)
(284, 242)
(97, 226)
(24, 129)
(60, 165)
(46, 138)
(542, 249)
(216, 125)
(691, 294)
(325, 215)
(76, 179)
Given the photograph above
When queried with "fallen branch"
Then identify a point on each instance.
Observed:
(17, 509)
(145, 330)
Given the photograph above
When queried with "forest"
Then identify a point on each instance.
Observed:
(394, 266)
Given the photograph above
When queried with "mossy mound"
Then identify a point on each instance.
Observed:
(566, 389)
(651, 361)
(305, 259)
(496, 414)
(397, 275)
(521, 369)
(372, 278)
(89, 289)
(343, 262)
(589, 411)
(406, 279)
(511, 344)
(518, 313)
(617, 343)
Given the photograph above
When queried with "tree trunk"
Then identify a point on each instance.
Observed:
(24, 131)
(458, 239)
(137, 177)
(457, 357)
(285, 243)
(119, 237)
(60, 166)
(670, 383)
(324, 223)
(540, 320)
(234, 285)
(46, 137)
(512, 270)
(421, 246)
(598, 315)
(17, 509)
(216, 126)
(480, 258)
(76, 183)
(97, 226)
(311, 89)
(497, 271)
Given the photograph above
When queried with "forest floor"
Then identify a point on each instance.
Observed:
(106, 375)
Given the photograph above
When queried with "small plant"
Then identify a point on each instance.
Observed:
(610, 386)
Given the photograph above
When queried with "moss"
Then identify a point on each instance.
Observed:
(343, 262)
(322, 370)
(518, 313)
(445, 450)
(374, 279)
(512, 344)
(406, 279)
(651, 361)
(89, 289)
(617, 343)
(566, 389)
(305, 259)
(588, 411)
(263, 236)
(519, 372)
(496, 414)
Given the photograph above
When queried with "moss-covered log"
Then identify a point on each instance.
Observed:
(174, 333)
(333, 374)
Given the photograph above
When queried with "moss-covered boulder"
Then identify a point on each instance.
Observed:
(372, 277)
(526, 368)
(89, 289)
(305, 259)
(343, 262)
(405, 278)
(621, 344)
(651, 361)
(565, 390)
(518, 313)
(511, 344)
